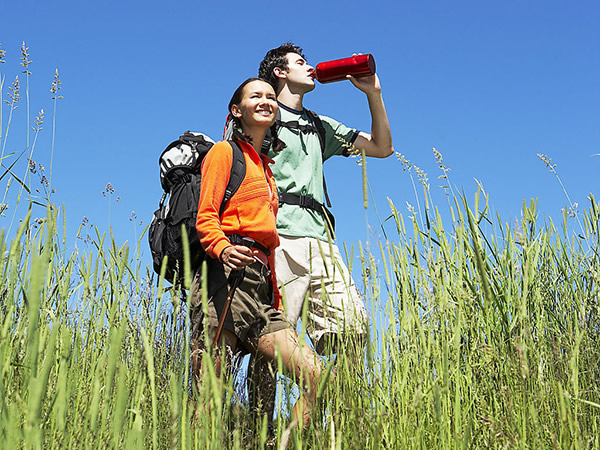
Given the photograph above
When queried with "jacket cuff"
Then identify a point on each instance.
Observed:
(218, 248)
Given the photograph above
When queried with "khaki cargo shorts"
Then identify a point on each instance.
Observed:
(308, 267)
(250, 315)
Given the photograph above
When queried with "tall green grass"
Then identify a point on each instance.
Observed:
(483, 335)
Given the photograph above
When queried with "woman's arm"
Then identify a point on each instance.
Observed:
(216, 168)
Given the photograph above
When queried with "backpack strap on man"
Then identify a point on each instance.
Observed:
(318, 124)
(320, 129)
(295, 125)
(306, 201)
(315, 126)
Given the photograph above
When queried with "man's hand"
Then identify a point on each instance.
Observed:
(379, 142)
(237, 257)
(369, 84)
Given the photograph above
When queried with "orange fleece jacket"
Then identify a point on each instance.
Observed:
(250, 212)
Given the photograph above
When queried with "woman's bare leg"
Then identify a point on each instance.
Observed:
(299, 360)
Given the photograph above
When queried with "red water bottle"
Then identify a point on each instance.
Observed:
(336, 70)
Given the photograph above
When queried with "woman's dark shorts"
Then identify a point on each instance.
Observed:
(251, 314)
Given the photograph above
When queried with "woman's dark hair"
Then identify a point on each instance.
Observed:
(238, 135)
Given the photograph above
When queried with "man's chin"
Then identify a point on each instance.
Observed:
(301, 88)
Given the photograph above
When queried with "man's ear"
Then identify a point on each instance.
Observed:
(279, 72)
(235, 111)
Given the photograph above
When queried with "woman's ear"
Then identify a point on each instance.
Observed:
(235, 111)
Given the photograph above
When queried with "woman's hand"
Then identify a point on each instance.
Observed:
(237, 257)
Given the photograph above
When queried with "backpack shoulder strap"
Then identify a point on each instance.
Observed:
(318, 124)
(268, 139)
(237, 174)
(315, 126)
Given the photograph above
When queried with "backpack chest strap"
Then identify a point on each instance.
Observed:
(307, 201)
(295, 125)
(304, 201)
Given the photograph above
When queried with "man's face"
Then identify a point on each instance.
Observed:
(299, 73)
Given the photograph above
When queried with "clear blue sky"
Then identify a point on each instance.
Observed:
(489, 84)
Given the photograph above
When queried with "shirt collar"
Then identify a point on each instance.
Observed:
(266, 159)
(287, 108)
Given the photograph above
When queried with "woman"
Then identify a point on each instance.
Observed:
(254, 321)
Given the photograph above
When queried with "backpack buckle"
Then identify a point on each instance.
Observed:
(303, 201)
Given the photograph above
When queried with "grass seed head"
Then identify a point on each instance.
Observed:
(39, 120)
(547, 161)
(108, 190)
(350, 148)
(14, 93)
(422, 176)
(406, 164)
(439, 159)
(25, 61)
(56, 86)
(571, 211)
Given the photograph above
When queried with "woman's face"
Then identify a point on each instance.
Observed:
(258, 106)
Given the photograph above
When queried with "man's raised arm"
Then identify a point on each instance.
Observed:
(379, 143)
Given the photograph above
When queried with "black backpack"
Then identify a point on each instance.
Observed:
(180, 178)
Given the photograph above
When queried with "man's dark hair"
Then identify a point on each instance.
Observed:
(276, 58)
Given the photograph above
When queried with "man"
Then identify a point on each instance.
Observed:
(309, 264)
(298, 170)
